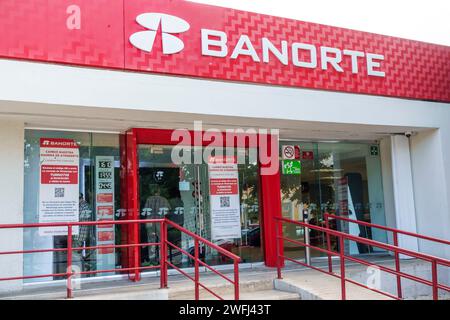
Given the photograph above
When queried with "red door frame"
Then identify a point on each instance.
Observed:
(269, 192)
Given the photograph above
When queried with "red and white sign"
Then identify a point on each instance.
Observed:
(297, 152)
(288, 152)
(308, 155)
(224, 200)
(342, 196)
(346, 208)
(104, 205)
(58, 188)
(192, 39)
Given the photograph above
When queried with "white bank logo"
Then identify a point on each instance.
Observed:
(169, 25)
(215, 43)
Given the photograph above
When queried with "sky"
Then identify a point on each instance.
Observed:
(423, 20)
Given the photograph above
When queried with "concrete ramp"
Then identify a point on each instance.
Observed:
(262, 295)
(314, 285)
(140, 294)
(250, 289)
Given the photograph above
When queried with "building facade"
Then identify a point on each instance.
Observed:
(95, 98)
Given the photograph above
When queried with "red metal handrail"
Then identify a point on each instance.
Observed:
(393, 230)
(435, 261)
(69, 249)
(395, 233)
(163, 262)
(198, 262)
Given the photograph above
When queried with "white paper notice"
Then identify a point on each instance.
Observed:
(224, 199)
(58, 188)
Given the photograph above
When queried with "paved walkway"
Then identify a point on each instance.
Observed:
(256, 279)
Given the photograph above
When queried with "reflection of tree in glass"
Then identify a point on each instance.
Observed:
(248, 179)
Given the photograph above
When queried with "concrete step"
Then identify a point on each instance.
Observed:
(163, 294)
(260, 295)
(314, 285)
(186, 290)
(150, 294)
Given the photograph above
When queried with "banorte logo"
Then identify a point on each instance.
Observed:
(214, 43)
(168, 25)
(63, 143)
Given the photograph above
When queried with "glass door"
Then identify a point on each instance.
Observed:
(181, 193)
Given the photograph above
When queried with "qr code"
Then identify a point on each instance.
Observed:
(59, 192)
(224, 202)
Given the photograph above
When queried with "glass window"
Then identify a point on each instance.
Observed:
(337, 178)
(95, 150)
(179, 192)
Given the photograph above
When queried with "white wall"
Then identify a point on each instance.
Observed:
(430, 186)
(75, 86)
(387, 281)
(404, 195)
(11, 199)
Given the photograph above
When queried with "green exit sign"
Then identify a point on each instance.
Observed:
(291, 167)
(374, 150)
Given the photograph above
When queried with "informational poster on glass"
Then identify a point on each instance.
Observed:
(347, 208)
(342, 195)
(104, 208)
(224, 199)
(58, 185)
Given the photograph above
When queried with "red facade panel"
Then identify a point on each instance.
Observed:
(95, 40)
(97, 33)
(23, 29)
(82, 32)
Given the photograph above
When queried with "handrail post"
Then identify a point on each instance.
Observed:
(397, 266)
(277, 249)
(69, 262)
(342, 256)
(236, 279)
(136, 249)
(163, 254)
(196, 265)
(327, 225)
(434, 279)
(307, 240)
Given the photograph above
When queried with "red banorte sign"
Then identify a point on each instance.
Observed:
(308, 155)
(104, 197)
(58, 143)
(186, 38)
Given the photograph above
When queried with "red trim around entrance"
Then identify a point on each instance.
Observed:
(130, 200)
(270, 197)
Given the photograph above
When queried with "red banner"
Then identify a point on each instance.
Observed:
(185, 38)
(223, 186)
(57, 174)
